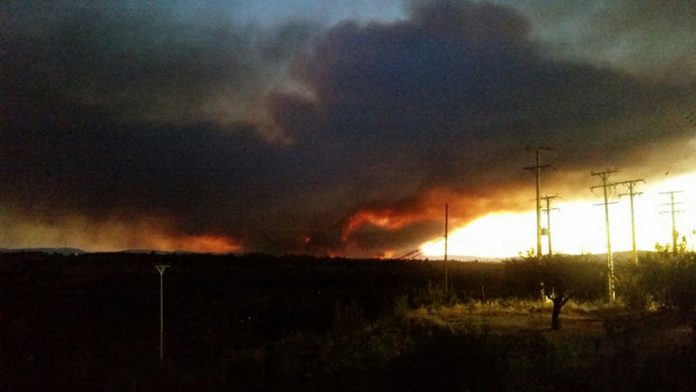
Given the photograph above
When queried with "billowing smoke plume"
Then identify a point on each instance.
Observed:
(147, 126)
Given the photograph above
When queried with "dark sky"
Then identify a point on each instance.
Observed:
(281, 126)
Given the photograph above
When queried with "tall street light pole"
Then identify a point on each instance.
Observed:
(161, 268)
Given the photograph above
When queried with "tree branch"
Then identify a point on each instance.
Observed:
(570, 295)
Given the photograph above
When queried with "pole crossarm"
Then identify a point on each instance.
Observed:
(607, 203)
(608, 185)
(604, 173)
(629, 194)
(534, 168)
(630, 183)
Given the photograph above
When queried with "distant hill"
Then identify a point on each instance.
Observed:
(50, 251)
(619, 257)
(463, 258)
(144, 251)
(163, 252)
(75, 251)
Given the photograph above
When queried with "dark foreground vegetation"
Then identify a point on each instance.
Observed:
(91, 322)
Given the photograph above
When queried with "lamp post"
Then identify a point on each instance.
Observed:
(161, 268)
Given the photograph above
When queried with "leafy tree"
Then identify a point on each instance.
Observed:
(522, 277)
(670, 280)
(569, 277)
(633, 286)
(561, 277)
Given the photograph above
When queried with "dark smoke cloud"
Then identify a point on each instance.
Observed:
(148, 62)
(296, 139)
(653, 39)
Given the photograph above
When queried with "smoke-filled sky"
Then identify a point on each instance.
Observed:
(340, 128)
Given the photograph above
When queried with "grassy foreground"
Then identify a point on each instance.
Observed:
(598, 348)
(258, 323)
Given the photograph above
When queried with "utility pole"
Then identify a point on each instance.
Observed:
(548, 210)
(161, 268)
(446, 235)
(604, 176)
(673, 211)
(537, 168)
(630, 184)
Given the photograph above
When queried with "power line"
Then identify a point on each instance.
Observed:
(410, 255)
(604, 176)
(537, 168)
(630, 184)
(673, 212)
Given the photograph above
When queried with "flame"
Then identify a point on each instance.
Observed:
(387, 219)
(430, 206)
(499, 234)
(386, 255)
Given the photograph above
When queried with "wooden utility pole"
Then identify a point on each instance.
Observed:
(446, 236)
(630, 184)
(537, 168)
(548, 210)
(604, 176)
(673, 212)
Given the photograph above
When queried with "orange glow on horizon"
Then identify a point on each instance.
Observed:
(112, 236)
(198, 244)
